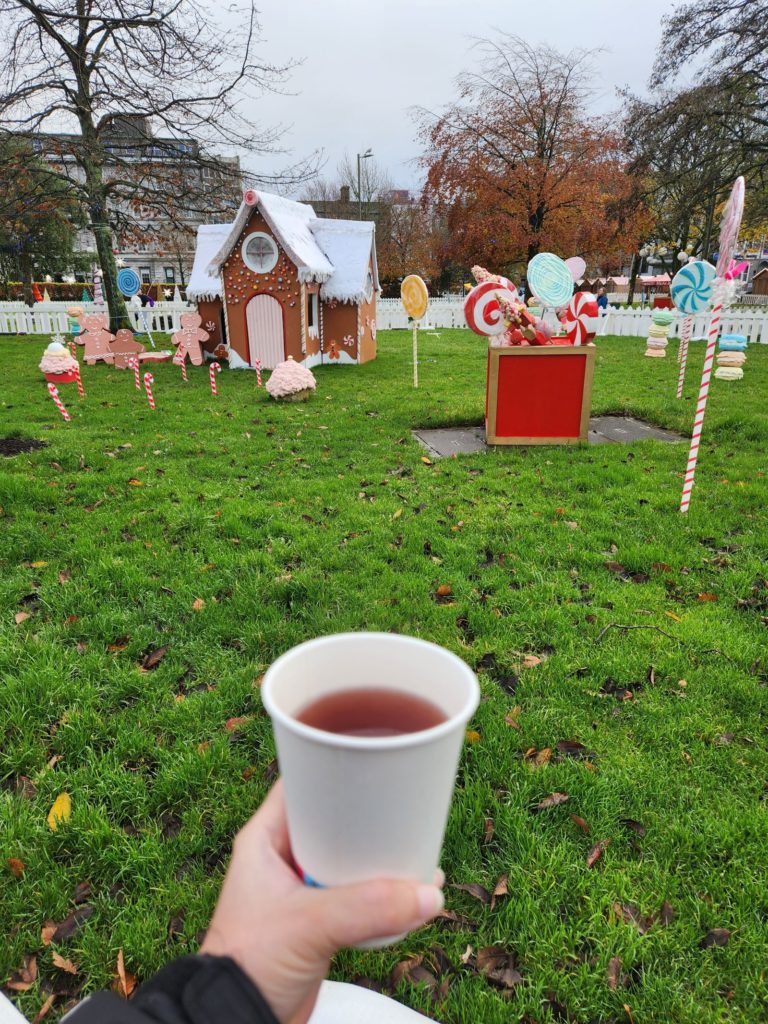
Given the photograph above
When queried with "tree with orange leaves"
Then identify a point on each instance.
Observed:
(517, 166)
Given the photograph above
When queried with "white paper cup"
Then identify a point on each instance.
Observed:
(368, 807)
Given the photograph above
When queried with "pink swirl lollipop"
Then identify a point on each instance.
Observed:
(729, 226)
(482, 311)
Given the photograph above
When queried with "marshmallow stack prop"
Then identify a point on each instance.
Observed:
(415, 299)
(661, 320)
(729, 233)
(691, 291)
(731, 357)
(53, 391)
(580, 318)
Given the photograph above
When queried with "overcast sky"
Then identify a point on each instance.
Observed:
(366, 63)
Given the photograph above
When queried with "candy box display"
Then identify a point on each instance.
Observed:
(539, 394)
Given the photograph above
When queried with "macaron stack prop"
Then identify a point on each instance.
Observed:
(691, 290)
(731, 357)
(58, 365)
(661, 320)
(729, 233)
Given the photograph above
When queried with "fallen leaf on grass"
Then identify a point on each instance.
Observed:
(82, 892)
(530, 661)
(20, 617)
(671, 615)
(37, 565)
(153, 658)
(488, 830)
(412, 970)
(634, 826)
(176, 924)
(706, 596)
(630, 913)
(571, 524)
(596, 852)
(511, 717)
(65, 576)
(553, 800)
(124, 982)
(235, 723)
(42, 1012)
(471, 736)
(63, 964)
(572, 748)
(397, 513)
(133, 482)
(614, 972)
(661, 567)
(16, 866)
(500, 889)
(580, 823)
(716, 937)
(667, 913)
(198, 604)
(444, 590)
(538, 758)
(478, 891)
(61, 811)
(62, 931)
(456, 922)
(615, 567)
(23, 979)
(497, 965)
(426, 461)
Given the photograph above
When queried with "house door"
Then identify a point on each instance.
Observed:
(264, 320)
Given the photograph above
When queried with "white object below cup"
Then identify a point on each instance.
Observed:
(361, 808)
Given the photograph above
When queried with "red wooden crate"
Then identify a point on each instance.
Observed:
(539, 394)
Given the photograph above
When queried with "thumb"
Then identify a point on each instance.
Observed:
(350, 914)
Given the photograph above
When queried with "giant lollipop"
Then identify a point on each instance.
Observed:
(691, 290)
(482, 311)
(550, 280)
(415, 299)
(729, 233)
(579, 318)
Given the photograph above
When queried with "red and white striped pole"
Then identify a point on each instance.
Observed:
(257, 364)
(133, 362)
(79, 382)
(701, 405)
(686, 330)
(149, 380)
(183, 365)
(53, 391)
(213, 369)
(73, 349)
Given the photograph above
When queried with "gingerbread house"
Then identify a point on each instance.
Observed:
(279, 281)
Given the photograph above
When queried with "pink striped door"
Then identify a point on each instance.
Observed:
(264, 319)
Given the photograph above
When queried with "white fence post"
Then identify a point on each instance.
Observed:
(51, 317)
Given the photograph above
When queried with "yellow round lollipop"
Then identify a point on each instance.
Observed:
(414, 296)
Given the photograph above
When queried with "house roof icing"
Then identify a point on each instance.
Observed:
(334, 253)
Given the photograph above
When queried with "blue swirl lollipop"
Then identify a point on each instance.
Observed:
(550, 280)
(692, 286)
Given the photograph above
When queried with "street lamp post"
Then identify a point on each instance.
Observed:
(360, 158)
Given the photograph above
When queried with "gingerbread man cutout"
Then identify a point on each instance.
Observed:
(189, 339)
(123, 347)
(96, 338)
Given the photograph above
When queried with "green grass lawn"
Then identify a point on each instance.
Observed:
(226, 530)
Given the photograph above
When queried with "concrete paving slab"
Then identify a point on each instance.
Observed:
(446, 441)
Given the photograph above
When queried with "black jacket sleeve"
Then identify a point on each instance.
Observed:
(191, 990)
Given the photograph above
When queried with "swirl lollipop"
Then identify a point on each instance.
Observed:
(415, 299)
(729, 226)
(692, 286)
(579, 318)
(482, 311)
(550, 279)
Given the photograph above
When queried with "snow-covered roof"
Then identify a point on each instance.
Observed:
(290, 222)
(349, 245)
(202, 285)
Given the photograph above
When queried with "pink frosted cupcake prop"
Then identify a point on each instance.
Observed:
(58, 365)
(291, 382)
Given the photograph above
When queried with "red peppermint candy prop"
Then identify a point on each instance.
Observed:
(250, 197)
(579, 318)
(482, 311)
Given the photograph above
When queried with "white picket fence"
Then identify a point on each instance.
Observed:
(51, 317)
(449, 312)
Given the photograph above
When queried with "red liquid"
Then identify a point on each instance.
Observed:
(371, 712)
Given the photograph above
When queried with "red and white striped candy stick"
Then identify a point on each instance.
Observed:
(257, 364)
(213, 369)
(133, 362)
(686, 329)
(79, 382)
(149, 380)
(73, 349)
(701, 405)
(53, 391)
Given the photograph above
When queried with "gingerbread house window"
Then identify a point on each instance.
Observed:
(259, 252)
(369, 287)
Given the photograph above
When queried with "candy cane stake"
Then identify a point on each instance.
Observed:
(73, 349)
(149, 380)
(257, 364)
(133, 362)
(183, 365)
(53, 391)
(686, 329)
(78, 381)
(701, 405)
(213, 369)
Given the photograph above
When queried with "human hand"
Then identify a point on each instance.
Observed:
(283, 933)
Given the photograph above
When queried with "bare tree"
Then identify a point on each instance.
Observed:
(90, 82)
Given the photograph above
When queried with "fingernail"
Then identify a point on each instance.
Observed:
(430, 899)
(439, 879)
